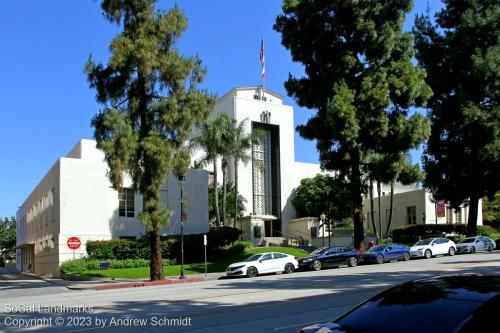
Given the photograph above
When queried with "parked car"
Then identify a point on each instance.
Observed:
(433, 246)
(387, 252)
(497, 241)
(330, 256)
(262, 263)
(459, 303)
(474, 244)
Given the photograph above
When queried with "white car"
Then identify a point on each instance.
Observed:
(474, 244)
(262, 263)
(432, 247)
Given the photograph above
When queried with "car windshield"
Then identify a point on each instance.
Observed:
(253, 258)
(321, 250)
(467, 240)
(424, 242)
(377, 248)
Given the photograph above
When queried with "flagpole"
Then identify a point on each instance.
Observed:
(263, 69)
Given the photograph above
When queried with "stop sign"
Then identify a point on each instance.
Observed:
(74, 243)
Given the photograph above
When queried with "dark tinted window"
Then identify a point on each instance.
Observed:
(266, 256)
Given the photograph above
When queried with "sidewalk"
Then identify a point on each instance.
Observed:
(107, 283)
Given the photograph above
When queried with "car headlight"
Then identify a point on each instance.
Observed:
(237, 267)
(307, 260)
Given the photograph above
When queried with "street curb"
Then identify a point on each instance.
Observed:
(146, 283)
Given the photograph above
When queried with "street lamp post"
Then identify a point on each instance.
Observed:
(182, 179)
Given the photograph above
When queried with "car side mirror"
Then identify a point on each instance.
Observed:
(261, 261)
(433, 244)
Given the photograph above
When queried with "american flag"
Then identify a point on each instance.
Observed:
(262, 58)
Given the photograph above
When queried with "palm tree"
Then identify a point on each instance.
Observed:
(212, 139)
(240, 151)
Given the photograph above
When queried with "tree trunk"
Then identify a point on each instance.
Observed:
(472, 218)
(224, 191)
(390, 211)
(379, 192)
(155, 263)
(155, 258)
(216, 191)
(371, 210)
(235, 192)
(357, 200)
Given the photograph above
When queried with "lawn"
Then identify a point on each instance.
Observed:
(194, 268)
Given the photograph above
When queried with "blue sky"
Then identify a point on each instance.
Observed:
(46, 104)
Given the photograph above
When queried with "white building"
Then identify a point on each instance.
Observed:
(411, 205)
(75, 199)
(268, 181)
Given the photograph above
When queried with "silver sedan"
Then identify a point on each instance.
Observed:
(475, 244)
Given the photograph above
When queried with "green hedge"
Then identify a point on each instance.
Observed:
(78, 265)
(218, 241)
(410, 234)
(485, 230)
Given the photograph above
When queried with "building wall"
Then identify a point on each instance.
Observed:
(37, 223)
(240, 104)
(425, 210)
(85, 205)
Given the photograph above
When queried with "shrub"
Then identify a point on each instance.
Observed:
(494, 236)
(409, 234)
(485, 230)
(456, 239)
(245, 244)
(384, 241)
(121, 249)
(79, 265)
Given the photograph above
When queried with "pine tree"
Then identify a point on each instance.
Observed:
(360, 78)
(461, 55)
(150, 102)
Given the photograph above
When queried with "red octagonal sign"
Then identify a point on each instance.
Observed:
(74, 243)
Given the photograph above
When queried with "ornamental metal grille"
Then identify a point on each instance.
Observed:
(262, 185)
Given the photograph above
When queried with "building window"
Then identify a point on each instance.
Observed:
(314, 232)
(126, 202)
(211, 178)
(411, 215)
(458, 215)
(449, 216)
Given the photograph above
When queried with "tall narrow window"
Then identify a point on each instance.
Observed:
(449, 215)
(458, 215)
(411, 215)
(262, 182)
(126, 202)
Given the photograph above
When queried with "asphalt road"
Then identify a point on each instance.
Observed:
(274, 303)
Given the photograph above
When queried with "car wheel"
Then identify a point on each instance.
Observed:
(473, 249)
(406, 256)
(428, 254)
(352, 262)
(316, 265)
(380, 259)
(252, 272)
(289, 268)
(451, 251)
(490, 248)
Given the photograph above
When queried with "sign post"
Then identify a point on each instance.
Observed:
(74, 243)
(205, 245)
